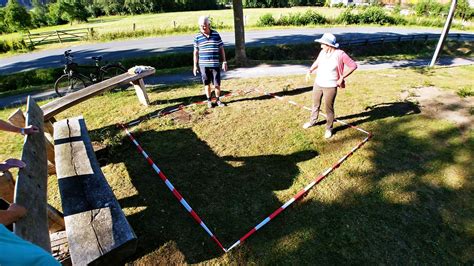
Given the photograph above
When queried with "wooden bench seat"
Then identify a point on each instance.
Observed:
(53, 108)
(96, 227)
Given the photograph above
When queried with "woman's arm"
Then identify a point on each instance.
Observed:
(351, 65)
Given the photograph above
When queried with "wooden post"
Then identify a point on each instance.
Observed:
(7, 190)
(29, 37)
(18, 119)
(59, 38)
(134, 27)
(139, 86)
(31, 185)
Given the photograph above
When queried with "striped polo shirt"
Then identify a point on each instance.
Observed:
(208, 48)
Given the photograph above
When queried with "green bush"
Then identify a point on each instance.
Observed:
(293, 19)
(347, 17)
(465, 92)
(375, 15)
(266, 20)
(464, 11)
(430, 8)
(313, 17)
(27, 79)
(14, 45)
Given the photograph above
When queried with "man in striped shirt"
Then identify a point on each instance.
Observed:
(207, 56)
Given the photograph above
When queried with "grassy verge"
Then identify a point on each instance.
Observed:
(136, 26)
(404, 198)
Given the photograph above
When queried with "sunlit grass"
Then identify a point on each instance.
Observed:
(403, 198)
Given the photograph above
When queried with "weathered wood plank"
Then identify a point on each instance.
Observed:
(52, 108)
(7, 191)
(97, 229)
(31, 184)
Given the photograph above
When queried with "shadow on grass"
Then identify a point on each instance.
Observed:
(380, 111)
(231, 194)
(392, 211)
(405, 209)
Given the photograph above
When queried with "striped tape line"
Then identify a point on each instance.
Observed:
(310, 185)
(277, 211)
(170, 186)
(178, 108)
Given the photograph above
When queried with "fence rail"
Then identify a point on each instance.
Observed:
(58, 36)
(403, 38)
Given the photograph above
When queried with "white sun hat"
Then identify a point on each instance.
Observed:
(328, 39)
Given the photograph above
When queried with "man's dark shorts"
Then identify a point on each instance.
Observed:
(210, 74)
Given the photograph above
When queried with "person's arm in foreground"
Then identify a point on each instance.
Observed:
(5, 126)
(14, 213)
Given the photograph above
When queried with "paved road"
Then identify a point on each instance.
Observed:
(253, 72)
(152, 46)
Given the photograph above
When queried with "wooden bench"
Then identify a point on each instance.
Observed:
(58, 105)
(96, 227)
(53, 108)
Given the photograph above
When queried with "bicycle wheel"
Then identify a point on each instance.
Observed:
(66, 84)
(112, 71)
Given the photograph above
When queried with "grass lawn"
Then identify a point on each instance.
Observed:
(406, 197)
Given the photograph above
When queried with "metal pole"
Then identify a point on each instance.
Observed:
(445, 32)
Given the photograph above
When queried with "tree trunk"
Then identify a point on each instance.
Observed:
(240, 55)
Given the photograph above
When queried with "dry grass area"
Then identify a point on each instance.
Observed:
(404, 198)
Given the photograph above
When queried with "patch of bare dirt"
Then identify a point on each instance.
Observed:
(440, 104)
(181, 116)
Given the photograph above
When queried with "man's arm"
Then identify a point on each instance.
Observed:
(224, 61)
(195, 61)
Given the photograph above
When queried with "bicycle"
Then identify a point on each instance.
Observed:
(72, 80)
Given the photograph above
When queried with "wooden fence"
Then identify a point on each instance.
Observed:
(58, 36)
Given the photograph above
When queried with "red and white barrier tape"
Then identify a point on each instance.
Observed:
(310, 185)
(173, 189)
(277, 211)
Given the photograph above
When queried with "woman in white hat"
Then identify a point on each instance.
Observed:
(330, 75)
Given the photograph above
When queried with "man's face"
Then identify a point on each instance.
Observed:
(205, 27)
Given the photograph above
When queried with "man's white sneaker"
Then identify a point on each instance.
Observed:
(308, 125)
(209, 104)
(328, 134)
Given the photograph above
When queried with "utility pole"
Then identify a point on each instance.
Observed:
(445, 32)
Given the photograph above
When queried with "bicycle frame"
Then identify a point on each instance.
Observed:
(75, 79)
(95, 73)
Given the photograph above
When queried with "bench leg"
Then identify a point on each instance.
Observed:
(139, 86)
